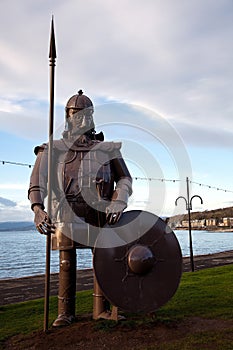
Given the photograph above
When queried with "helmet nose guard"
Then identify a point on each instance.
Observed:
(79, 101)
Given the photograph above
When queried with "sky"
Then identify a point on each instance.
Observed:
(160, 75)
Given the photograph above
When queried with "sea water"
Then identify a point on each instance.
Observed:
(22, 253)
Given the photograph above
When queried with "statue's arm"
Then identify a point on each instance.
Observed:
(38, 191)
(122, 191)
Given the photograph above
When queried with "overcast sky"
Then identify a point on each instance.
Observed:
(160, 74)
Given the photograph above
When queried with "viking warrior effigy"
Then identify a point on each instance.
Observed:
(91, 186)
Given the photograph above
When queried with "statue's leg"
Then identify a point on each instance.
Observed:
(101, 306)
(98, 300)
(67, 288)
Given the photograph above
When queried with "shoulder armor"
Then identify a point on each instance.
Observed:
(65, 145)
(40, 148)
(108, 146)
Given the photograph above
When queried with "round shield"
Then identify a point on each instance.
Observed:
(138, 262)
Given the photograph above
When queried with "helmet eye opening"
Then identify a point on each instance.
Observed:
(73, 109)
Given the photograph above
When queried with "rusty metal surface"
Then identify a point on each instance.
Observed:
(138, 262)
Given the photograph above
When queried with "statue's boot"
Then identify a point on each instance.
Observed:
(111, 315)
(101, 306)
(67, 288)
(63, 320)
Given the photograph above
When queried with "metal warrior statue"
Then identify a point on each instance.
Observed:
(137, 260)
(90, 187)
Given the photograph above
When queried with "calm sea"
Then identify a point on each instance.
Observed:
(22, 253)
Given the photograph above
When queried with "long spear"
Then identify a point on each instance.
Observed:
(52, 58)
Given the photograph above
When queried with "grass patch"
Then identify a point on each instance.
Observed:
(207, 293)
(26, 317)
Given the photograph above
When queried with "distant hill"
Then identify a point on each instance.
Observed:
(16, 226)
(207, 214)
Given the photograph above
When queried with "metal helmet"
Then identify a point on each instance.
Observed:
(79, 101)
(79, 105)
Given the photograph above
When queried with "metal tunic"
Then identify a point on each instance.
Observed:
(82, 186)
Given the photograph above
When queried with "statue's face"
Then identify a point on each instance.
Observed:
(80, 121)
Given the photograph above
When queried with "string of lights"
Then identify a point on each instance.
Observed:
(15, 163)
(175, 180)
(155, 179)
(3, 162)
(211, 187)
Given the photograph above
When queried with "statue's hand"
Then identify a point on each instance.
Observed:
(114, 212)
(41, 221)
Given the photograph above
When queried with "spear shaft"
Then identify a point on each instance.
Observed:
(52, 58)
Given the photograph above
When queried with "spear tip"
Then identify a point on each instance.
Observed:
(52, 48)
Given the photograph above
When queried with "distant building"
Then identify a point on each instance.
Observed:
(211, 222)
(194, 223)
(198, 223)
(184, 223)
(227, 222)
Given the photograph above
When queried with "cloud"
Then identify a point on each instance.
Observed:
(205, 135)
(6, 202)
(171, 57)
(163, 43)
(12, 186)
(10, 210)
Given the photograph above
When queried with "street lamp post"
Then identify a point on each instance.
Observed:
(189, 208)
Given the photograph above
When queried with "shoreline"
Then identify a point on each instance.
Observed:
(82, 271)
(32, 287)
(205, 229)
